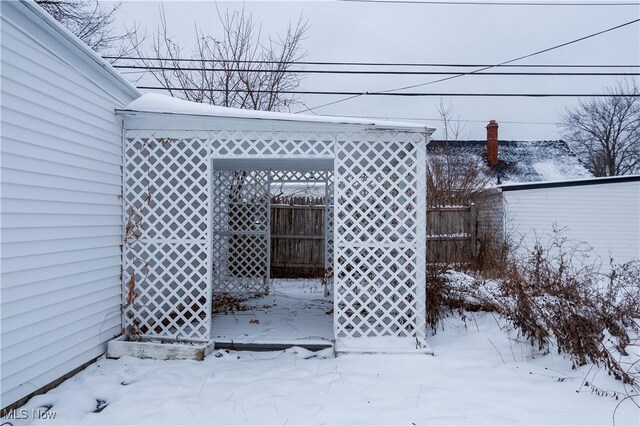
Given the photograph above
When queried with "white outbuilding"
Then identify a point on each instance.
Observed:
(600, 216)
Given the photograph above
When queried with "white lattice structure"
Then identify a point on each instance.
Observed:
(196, 182)
(240, 227)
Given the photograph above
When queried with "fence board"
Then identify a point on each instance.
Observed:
(451, 234)
(297, 240)
(297, 236)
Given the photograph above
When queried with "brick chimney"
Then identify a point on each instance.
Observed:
(492, 143)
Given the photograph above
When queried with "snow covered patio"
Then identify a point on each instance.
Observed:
(294, 313)
(481, 375)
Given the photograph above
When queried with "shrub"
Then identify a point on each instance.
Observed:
(555, 299)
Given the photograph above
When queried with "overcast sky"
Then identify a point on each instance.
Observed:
(401, 33)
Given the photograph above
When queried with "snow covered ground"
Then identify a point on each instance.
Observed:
(478, 376)
(294, 311)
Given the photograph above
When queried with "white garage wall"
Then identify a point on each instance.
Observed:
(61, 157)
(604, 214)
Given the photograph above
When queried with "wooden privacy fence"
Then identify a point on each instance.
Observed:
(297, 240)
(297, 237)
(451, 235)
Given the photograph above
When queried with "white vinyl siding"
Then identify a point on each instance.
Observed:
(606, 216)
(61, 159)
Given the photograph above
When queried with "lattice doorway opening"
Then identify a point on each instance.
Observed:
(295, 311)
(241, 192)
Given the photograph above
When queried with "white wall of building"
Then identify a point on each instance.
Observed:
(61, 156)
(604, 214)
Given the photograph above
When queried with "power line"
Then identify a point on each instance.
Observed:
(492, 66)
(462, 120)
(492, 3)
(367, 64)
(376, 72)
(403, 94)
(526, 56)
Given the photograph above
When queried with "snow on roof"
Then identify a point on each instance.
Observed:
(522, 161)
(157, 103)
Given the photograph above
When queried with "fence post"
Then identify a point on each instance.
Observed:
(473, 231)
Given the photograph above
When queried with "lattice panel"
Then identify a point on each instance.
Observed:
(379, 250)
(167, 183)
(166, 276)
(240, 225)
(302, 177)
(237, 144)
(166, 290)
(329, 218)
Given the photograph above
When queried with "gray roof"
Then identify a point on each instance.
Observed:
(520, 161)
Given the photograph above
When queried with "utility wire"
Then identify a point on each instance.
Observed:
(402, 94)
(367, 64)
(298, 71)
(462, 120)
(493, 3)
(488, 67)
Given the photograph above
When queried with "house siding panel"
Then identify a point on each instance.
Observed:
(61, 208)
(605, 216)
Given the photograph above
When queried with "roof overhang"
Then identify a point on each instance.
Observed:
(565, 183)
(281, 164)
(153, 111)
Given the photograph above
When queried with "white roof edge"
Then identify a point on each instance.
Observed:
(163, 104)
(569, 182)
(64, 32)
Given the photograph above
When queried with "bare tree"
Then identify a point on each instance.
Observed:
(452, 127)
(453, 176)
(239, 70)
(92, 22)
(605, 132)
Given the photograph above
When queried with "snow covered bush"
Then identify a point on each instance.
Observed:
(554, 303)
(557, 301)
(451, 292)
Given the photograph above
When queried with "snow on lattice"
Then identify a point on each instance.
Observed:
(184, 220)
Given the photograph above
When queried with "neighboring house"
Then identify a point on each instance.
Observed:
(534, 187)
(515, 161)
(61, 157)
